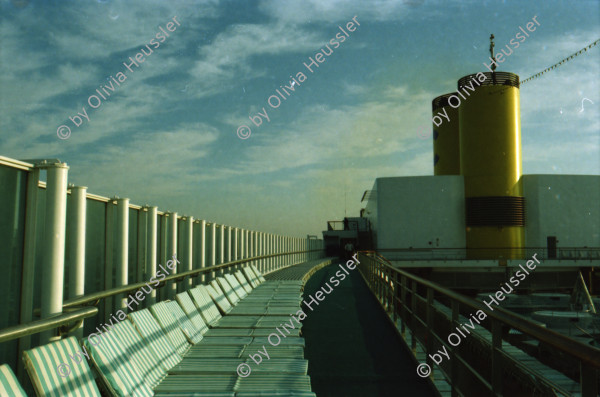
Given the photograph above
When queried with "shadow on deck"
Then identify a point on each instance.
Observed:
(351, 347)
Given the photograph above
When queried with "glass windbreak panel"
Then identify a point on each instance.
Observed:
(95, 257)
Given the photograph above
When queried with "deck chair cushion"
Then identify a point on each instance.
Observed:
(42, 364)
(190, 309)
(9, 384)
(205, 304)
(151, 368)
(120, 374)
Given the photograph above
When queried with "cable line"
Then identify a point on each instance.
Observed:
(560, 62)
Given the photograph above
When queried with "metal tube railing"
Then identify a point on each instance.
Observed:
(21, 330)
(80, 307)
(383, 280)
(93, 298)
(447, 254)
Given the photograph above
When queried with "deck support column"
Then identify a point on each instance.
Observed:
(76, 217)
(54, 244)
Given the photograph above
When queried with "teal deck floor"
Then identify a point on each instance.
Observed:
(351, 347)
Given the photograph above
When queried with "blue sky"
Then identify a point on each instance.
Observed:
(167, 135)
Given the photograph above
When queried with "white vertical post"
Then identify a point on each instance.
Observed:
(188, 252)
(261, 251)
(221, 247)
(305, 254)
(172, 255)
(242, 248)
(229, 247)
(76, 218)
(202, 243)
(29, 250)
(122, 250)
(285, 257)
(54, 244)
(247, 244)
(213, 248)
(236, 243)
(273, 259)
(108, 255)
(268, 260)
(257, 248)
(270, 250)
(253, 244)
(256, 241)
(152, 251)
(276, 250)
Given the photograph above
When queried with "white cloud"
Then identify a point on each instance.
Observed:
(228, 59)
(337, 10)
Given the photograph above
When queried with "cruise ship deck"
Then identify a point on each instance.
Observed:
(299, 198)
(129, 300)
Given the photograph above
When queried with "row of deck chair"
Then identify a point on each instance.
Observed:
(191, 346)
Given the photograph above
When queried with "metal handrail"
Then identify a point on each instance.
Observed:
(444, 254)
(587, 354)
(95, 297)
(21, 330)
(79, 308)
(390, 286)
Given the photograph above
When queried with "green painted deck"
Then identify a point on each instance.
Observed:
(351, 347)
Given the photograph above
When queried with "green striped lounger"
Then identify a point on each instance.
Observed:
(205, 293)
(9, 384)
(42, 363)
(284, 375)
(282, 299)
(196, 333)
(123, 374)
(212, 316)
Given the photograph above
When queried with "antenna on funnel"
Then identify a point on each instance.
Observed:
(493, 58)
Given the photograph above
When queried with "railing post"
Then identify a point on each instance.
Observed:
(403, 308)
(452, 363)
(413, 309)
(388, 289)
(496, 357)
(240, 244)
(236, 243)
(247, 246)
(213, 249)
(430, 330)
(228, 246)
(221, 248)
(151, 251)
(250, 246)
(383, 286)
(395, 296)
(202, 247)
(172, 285)
(278, 250)
(188, 253)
